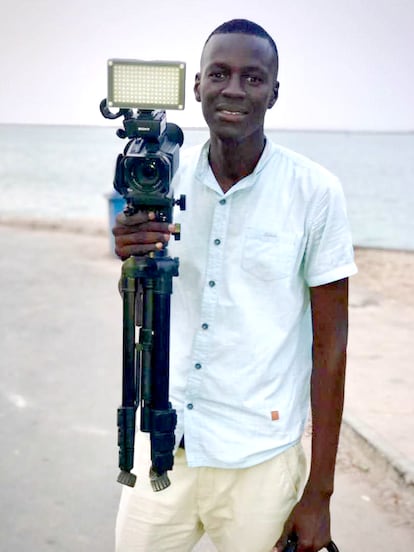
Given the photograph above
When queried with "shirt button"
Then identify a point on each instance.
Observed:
(197, 366)
(204, 326)
(190, 406)
(222, 202)
(212, 283)
(217, 241)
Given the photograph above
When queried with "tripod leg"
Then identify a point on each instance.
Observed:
(146, 349)
(146, 367)
(163, 417)
(130, 378)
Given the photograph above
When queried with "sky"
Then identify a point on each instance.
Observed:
(344, 64)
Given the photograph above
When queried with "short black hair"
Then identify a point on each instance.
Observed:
(244, 26)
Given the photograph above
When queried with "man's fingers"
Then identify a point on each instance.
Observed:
(139, 243)
(139, 234)
(286, 535)
(139, 250)
(137, 218)
(143, 238)
(161, 227)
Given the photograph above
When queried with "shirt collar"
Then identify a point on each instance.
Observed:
(206, 175)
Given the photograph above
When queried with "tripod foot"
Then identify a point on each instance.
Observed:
(159, 482)
(127, 478)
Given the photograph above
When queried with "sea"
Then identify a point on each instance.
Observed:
(64, 174)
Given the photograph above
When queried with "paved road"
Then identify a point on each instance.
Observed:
(60, 337)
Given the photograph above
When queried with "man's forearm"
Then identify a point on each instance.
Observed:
(330, 335)
(310, 519)
(327, 399)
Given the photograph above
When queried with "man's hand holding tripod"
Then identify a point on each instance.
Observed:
(140, 233)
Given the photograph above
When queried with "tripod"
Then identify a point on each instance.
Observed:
(146, 287)
(143, 174)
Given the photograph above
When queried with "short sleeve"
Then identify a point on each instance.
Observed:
(329, 254)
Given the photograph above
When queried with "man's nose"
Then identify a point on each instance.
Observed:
(234, 86)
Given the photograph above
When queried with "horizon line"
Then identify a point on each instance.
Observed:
(205, 128)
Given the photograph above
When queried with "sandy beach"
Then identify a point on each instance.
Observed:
(380, 382)
(385, 275)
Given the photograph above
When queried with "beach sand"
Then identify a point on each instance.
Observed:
(386, 276)
(380, 380)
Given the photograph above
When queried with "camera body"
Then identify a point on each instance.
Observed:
(144, 171)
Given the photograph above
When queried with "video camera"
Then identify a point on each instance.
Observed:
(142, 91)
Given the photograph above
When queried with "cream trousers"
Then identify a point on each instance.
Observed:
(242, 510)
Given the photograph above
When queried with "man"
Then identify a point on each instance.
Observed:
(259, 324)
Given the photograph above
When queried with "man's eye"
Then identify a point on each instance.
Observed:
(217, 75)
(252, 79)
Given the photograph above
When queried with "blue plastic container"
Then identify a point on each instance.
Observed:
(116, 204)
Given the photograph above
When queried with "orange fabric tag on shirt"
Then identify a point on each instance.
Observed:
(275, 415)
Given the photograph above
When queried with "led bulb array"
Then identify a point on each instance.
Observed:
(146, 85)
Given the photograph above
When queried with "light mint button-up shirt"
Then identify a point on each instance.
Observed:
(241, 332)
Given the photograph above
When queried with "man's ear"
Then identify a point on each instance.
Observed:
(196, 87)
(275, 95)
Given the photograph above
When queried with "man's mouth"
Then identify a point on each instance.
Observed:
(232, 109)
(232, 112)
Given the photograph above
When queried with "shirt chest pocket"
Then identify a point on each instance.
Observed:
(270, 256)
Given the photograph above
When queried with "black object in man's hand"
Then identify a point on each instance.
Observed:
(292, 542)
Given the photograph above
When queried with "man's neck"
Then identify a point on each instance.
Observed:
(231, 160)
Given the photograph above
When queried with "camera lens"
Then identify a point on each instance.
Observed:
(148, 172)
(143, 174)
(147, 175)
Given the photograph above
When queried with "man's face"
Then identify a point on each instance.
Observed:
(236, 84)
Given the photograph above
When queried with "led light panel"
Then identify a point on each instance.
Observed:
(146, 84)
